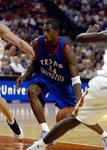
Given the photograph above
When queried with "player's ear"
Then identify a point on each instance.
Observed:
(57, 31)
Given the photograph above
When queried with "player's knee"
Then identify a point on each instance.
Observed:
(71, 120)
(33, 91)
(2, 102)
(74, 120)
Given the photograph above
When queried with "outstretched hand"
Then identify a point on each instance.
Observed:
(93, 29)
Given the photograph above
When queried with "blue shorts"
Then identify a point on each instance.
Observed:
(51, 92)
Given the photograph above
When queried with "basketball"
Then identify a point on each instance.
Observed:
(64, 113)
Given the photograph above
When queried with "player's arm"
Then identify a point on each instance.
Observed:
(70, 60)
(92, 36)
(32, 68)
(12, 38)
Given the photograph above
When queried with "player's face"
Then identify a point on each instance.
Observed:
(49, 33)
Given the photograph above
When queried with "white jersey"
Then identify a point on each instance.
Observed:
(1, 50)
(98, 86)
(93, 104)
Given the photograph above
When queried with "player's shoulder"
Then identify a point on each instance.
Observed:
(62, 39)
(35, 41)
(35, 45)
(68, 48)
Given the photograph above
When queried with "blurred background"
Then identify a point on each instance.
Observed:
(26, 17)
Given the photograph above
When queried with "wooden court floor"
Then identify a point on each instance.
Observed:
(80, 138)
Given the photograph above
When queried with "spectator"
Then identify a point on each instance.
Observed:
(88, 73)
(16, 67)
(23, 60)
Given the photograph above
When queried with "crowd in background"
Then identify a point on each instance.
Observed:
(77, 15)
(26, 18)
(84, 12)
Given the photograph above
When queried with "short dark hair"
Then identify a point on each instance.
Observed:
(53, 22)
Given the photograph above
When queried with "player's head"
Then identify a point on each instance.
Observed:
(51, 30)
(54, 23)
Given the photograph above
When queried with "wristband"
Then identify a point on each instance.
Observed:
(75, 80)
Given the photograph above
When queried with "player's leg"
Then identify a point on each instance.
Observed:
(97, 128)
(90, 110)
(61, 128)
(4, 108)
(35, 99)
(33, 93)
(57, 131)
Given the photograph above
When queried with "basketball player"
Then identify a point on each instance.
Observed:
(93, 104)
(5, 109)
(56, 73)
(11, 37)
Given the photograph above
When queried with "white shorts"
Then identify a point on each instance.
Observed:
(93, 104)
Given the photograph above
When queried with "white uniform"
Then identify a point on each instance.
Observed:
(93, 104)
(1, 50)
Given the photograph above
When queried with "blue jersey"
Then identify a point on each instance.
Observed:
(53, 72)
(52, 67)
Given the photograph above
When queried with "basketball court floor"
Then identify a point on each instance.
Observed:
(80, 138)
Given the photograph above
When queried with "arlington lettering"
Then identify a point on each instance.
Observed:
(52, 72)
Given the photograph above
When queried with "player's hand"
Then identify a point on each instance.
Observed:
(93, 29)
(19, 80)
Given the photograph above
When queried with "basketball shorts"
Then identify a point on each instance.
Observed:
(62, 98)
(93, 104)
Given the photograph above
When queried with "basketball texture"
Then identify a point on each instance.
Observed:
(64, 113)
